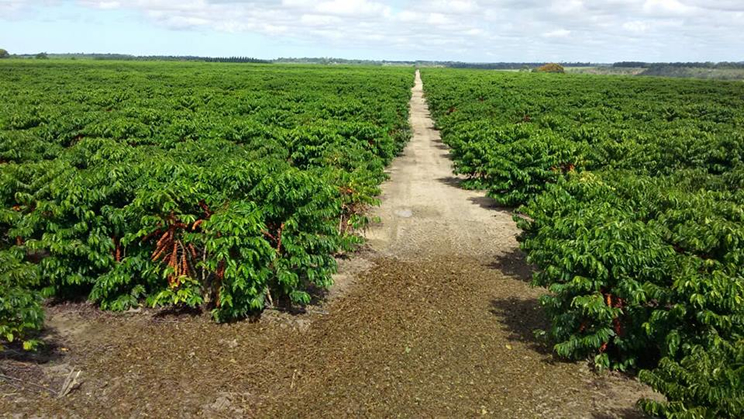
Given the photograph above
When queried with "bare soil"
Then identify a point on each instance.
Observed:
(435, 320)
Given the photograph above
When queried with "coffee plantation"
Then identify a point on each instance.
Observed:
(228, 187)
(630, 195)
(232, 188)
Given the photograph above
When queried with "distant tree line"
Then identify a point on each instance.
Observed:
(40, 56)
(525, 66)
(640, 64)
(176, 58)
(452, 64)
(235, 60)
(510, 66)
(129, 57)
(339, 61)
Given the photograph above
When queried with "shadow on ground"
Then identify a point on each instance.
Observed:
(48, 351)
(31, 373)
(513, 264)
(453, 181)
(442, 146)
(521, 318)
(485, 203)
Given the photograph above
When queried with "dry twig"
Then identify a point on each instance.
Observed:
(71, 382)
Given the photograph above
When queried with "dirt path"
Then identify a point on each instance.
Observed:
(439, 325)
(425, 214)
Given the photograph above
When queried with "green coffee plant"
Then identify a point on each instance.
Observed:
(706, 383)
(197, 185)
(630, 201)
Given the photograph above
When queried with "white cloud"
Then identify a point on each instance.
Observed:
(457, 7)
(567, 7)
(558, 33)
(637, 26)
(438, 19)
(355, 8)
(319, 20)
(724, 5)
(663, 7)
(472, 30)
(105, 5)
(408, 16)
(8, 8)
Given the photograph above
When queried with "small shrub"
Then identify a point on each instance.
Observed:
(550, 68)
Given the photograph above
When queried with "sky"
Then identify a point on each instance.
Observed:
(457, 30)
